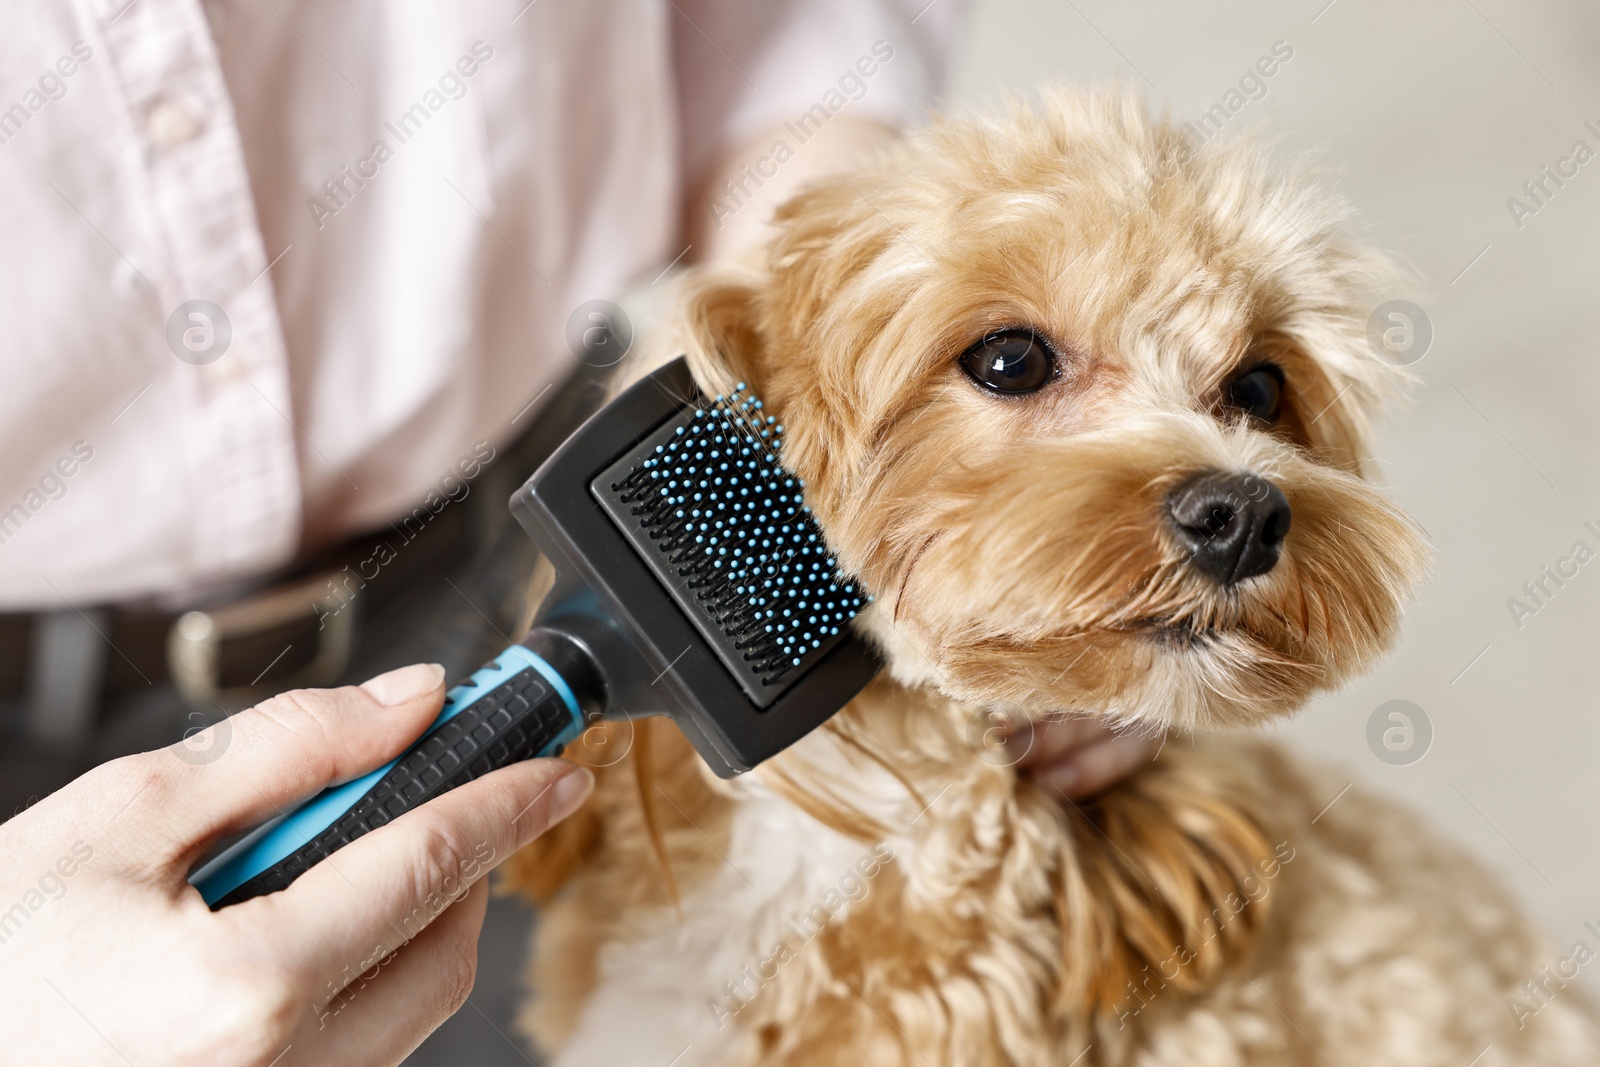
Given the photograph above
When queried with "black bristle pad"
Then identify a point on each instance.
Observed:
(711, 507)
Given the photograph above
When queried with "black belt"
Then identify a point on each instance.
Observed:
(296, 630)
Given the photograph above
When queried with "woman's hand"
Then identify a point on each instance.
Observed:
(108, 955)
(1077, 758)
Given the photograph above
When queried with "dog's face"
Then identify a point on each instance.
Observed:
(1085, 408)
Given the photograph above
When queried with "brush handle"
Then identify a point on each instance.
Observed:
(514, 708)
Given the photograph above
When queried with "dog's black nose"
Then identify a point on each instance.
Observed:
(1233, 524)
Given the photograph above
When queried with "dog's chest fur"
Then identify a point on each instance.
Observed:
(676, 993)
(990, 924)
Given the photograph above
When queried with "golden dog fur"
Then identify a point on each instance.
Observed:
(890, 891)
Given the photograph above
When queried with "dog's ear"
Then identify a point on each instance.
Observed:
(747, 323)
(717, 327)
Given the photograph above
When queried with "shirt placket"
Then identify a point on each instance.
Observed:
(239, 439)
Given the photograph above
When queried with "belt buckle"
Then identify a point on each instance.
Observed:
(194, 644)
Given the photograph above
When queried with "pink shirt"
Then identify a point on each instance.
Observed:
(395, 205)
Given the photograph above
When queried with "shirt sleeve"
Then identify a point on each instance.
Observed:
(743, 67)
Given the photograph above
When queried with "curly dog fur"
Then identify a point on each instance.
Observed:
(888, 891)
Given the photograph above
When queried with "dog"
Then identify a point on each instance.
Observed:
(1084, 404)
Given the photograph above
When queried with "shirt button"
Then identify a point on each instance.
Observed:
(171, 125)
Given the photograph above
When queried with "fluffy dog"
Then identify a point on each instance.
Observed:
(1084, 405)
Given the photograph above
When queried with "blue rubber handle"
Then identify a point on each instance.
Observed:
(516, 707)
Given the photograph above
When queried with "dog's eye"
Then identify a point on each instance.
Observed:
(1258, 392)
(1012, 361)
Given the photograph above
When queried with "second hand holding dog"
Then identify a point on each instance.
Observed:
(1078, 758)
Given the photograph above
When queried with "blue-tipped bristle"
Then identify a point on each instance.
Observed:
(716, 501)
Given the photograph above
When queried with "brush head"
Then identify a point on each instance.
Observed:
(725, 527)
(690, 567)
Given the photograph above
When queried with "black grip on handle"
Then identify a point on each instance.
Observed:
(519, 719)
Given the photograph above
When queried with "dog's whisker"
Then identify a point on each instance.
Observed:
(905, 579)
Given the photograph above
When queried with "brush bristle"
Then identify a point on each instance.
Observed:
(716, 502)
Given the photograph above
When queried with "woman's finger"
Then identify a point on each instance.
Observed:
(1050, 739)
(267, 758)
(1093, 768)
(387, 886)
(386, 1010)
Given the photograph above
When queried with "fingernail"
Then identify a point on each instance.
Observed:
(405, 683)
(570, 791)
